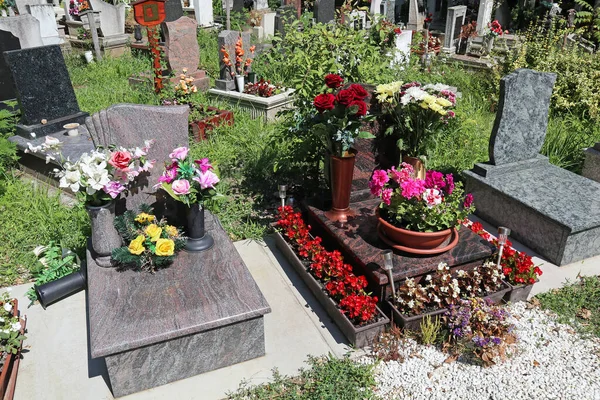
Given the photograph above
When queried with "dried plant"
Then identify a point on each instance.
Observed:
(387, 346)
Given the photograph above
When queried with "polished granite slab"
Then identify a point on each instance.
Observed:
(360, 242)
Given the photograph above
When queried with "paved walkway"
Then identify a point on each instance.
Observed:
(57, 364)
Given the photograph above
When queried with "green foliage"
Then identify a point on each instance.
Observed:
(52, 266)
(430, 330)
(10, 327)
(590, 18)
(209, 51)
(30, 216)
(327, 378)
(8, 150)
(576, 303)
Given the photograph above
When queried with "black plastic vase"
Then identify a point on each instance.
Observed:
(198, 239)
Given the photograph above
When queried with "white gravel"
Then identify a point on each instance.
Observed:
(551, 362)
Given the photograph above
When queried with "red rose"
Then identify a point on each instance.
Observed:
(345, 97)
(397, 31)
(325, 101)
(333, 81)
(120, 159)
(362, 107)
(359, 92)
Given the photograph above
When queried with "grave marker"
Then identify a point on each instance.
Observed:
(416, 15)
(48, 29)
(484, 15)
(8, 42)
(173, 10)
(204, 12)
(324, 11)
(455, 19)
(228, 39)
(25, 27)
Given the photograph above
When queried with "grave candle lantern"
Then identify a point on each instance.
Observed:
(282, 194)
(388, 265)
(503, 233)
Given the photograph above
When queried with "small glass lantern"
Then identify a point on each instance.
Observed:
(282, 194)
(388, 265)
(503, 233)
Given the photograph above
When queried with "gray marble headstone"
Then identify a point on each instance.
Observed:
(46, 96)
(261, 4)
(112, 18)
(284, 15)
(173, 10)
(238, 6)
(522, 117)
(25, 27)
(8, 42)
(228, 39)
(22, 5)
(455, 19)
(48, 28)
(484, 15)
(390, 6)
(129, 125)
(324, 11)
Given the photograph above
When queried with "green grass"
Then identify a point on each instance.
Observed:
(30, 217)
(327, 378)
(577, 303)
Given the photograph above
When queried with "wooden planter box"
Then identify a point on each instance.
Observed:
(518, 293)
(8, 375)
(359, 336)
(199, 128)
(413, 323)
(258, 107)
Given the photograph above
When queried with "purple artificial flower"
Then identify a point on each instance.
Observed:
(204, 164)
(207, 180)
(468, 200)
(113, 189)
(179, 153)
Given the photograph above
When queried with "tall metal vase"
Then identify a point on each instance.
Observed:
(105, 237)
(198, 239)
(341, 170)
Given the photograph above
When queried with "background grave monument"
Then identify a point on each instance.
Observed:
(228, 39)
(8, 42)
(551, 210)
(204, 12)
(25, 27)
(416, 15)
(591, 166)
(48, 29)
(113, 39)
(455, 19)
(324, 11)
(46, 97)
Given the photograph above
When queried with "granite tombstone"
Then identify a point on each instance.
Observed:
(284, 15)
(173, 10)
(324, 11)
(46, 96)
(227, 40)
(25, 27)
(553, 211)
(8, 42)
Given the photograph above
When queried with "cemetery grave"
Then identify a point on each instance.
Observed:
(207, 204)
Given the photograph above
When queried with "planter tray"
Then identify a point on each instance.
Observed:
(8, 375)
(199, 128)
(412, 323)
(358, 336)
(258, 107)
(518, 292)
(438, 250)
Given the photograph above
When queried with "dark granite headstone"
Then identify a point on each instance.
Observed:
(522, 117)
(173, 10)
(8, 42)
(238, 6)
(228, 40)
(284, 15)
(324, 11)
(44, 90)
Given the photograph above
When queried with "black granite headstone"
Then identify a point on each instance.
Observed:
(46, 96)
(173, 10)
(324, 11)
(8, 42)
(285, 15)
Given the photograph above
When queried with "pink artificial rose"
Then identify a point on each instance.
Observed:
(432, 197)
(204, 164)
(113, 189)
(181, 186)
(179, 153)
(386, 196)
(380, 177)
(207, 180)
(120, 159)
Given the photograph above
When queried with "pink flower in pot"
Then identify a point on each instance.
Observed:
(179, 153)
(181, 186)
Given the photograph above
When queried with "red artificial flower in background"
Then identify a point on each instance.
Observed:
(362, 107)
(345, 97)
(397, 31)
(359, 92)
(324, 101)
(333, 81)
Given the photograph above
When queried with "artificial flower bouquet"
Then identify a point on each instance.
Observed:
(240, 65)
(494, 29)
(419, 112)
(432, 204)
(101, 175)
(189, 181)
(340, 114)
(152, 243)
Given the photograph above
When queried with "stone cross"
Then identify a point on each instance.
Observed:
(25, 27)
(455, 19)
(522, 118)
(484, 15)
(416, 17)
(48, 29)
(324, 11)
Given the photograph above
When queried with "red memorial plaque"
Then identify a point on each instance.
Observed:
(149, 12)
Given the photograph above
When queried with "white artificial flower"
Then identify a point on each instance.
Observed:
(33, 149)
(39, 250)
(71, 179)
(411, 304)
(438, 87)
(137, 153)
(16, 326)
(428, 278)
(51, 141)
(8, 307)
(416, 93)
(32, 134)
(1, 319)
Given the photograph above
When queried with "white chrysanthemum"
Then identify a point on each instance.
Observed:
(70, 178)
(8, 307)
(438, 87)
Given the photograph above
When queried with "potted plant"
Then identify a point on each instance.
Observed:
(12, 329)
(419, 214)
(240, 67)
(331, 280)
(193, 183)
(517, 266)
(338, 120)
(98, 178)
(494, 30)
(434, 293)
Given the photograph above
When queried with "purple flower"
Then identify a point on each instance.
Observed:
(204, 164)
(168, 176)
(434, 180)
(179, 153)
(468, 200)
(113, 189)
(449, 183)
(207, 180)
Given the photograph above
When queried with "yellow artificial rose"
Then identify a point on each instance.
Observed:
(143, 218)
(137, 245)
(435, 107)
(153, 231)
(164, 247)
(171, 230)
(443, 102)
(429, 99)
(424, 105)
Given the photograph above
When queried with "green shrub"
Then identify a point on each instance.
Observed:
(8, 150)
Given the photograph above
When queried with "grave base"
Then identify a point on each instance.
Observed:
(551, 210)
(51, 127)
(265, 107)
(591, 167)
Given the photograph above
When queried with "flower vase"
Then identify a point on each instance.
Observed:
(198, 239)
(341, 170)
(105, 237)
(417, 164)
(489, 45)
(239, 81)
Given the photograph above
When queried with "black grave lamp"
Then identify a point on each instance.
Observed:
(137, 33)
(503, 233)
(388, 265)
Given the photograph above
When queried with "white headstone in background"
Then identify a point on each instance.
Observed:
(22, 5)
(203, 10)
(48, 29)
(112, 18)
(359, 18)
(416, 18)
(402, 48)
(25, 27)
(455, 19)
(376, 7)
(268, 24)
(261, 4)
(484, 16)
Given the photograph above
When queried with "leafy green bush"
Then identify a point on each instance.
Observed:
(8, 150)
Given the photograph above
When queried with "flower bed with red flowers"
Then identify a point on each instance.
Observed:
(517, 266)
(345, 288)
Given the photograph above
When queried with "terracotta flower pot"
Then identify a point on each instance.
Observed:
(412, 239)
(341, 170)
